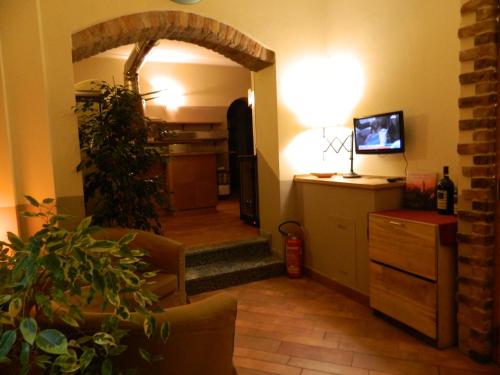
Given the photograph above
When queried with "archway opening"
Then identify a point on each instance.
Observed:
(172, 25)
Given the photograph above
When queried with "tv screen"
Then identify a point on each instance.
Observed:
(379, 134)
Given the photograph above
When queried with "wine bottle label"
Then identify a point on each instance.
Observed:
(442, 199)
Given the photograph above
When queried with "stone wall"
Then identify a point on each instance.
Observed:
(477, 149)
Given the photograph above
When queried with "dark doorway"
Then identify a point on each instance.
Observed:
(242, 159)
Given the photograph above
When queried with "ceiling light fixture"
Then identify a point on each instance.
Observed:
(186, 1)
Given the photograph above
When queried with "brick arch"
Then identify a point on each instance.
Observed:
(176, 25)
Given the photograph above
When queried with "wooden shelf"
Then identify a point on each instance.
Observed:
(183, 124)
(189, 123)
(191, 153)
(186, 140)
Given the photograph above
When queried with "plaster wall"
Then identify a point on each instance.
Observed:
(27, 133)
(203, 85)
(409, 53)
(8, 217)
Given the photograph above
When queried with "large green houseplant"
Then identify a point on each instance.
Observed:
(120, 186)
(47, 282)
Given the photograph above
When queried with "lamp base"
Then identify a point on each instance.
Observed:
(351, 175)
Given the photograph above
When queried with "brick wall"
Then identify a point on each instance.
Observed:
(477, 149)
(175, 25)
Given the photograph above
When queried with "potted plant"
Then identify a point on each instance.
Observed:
(120, 185)
(47, 282)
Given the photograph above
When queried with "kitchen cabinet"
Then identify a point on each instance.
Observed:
(413, 270)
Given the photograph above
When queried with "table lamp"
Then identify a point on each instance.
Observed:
(343, 145)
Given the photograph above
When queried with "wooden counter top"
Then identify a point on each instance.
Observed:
(365, 182)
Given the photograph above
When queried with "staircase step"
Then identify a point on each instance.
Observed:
(224, 273)
(232, 250)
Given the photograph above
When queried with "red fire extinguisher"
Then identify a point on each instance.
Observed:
(293, 238)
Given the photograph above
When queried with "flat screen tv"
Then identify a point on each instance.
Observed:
(380, 134)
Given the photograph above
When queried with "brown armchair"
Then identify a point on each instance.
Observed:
(201, 334)
(164, 254)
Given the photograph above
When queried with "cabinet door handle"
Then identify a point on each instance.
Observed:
(395, 223)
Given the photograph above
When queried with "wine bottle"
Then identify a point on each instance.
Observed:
(445, 192)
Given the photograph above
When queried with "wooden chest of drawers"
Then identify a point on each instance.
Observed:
(413, 270)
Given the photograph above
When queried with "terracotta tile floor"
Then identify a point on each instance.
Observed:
(299, 327)
(209, 227)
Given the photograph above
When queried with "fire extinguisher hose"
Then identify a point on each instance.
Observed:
(284, 233)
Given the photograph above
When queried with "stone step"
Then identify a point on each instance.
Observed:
(227, 251)
(238, 270)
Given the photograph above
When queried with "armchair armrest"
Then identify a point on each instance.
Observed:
(201, 339)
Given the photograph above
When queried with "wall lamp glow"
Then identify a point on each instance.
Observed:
(169, 93)
(323, 91)
(251, 98)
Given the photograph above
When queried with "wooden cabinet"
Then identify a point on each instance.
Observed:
(334, 213)
(406, 245)
(413, 270)
(192, 181)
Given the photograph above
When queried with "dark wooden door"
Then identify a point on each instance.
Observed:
(249, 198)
(496, 270)
(240, 142)
(496, 293)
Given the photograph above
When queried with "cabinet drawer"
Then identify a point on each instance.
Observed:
(404, 297)
(406, 245)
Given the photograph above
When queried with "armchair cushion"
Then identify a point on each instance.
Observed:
(163, 284)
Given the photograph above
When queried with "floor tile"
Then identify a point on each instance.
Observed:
(258, 343)
(269, 367)
(299, 327)
(327, 367)
(261, 355)
(392, 365)
(318, 353)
